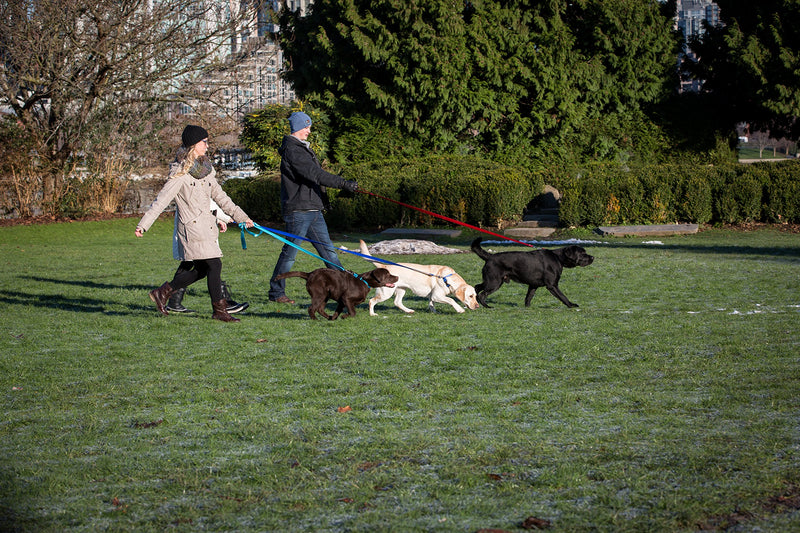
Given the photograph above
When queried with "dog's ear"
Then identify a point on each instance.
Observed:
(569, 256)
(384, 276)
(574, 256)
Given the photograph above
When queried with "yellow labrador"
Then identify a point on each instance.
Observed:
(434, 282)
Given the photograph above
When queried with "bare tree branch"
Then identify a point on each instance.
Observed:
(73, 71)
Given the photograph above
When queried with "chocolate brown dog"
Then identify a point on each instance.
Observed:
(538, 268)
(346, 288)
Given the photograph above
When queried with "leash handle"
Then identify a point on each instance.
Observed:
(453, 220)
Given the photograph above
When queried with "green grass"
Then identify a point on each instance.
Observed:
(668, 401)
(752, 152)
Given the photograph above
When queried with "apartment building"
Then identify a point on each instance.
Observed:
(249, 73)
(691, 18)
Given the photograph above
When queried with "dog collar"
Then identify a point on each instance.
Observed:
(358, 278)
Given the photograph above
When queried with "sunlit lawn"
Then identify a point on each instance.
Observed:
(667, 402)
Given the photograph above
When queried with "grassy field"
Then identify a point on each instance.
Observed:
(752, 152)
(669, 401)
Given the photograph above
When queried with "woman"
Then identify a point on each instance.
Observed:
(175, 303)
(192, 184)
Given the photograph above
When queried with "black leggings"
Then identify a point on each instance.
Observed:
(190, 271)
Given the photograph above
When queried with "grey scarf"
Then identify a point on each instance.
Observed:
(201, 168)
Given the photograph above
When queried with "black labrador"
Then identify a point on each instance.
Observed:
(538, 268)
(346, 288)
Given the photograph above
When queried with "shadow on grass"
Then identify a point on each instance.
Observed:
(57, 301)
(766, 251)
(299, 314)
(94, 305)
(775, 251)
(90, 284)
(101, 305)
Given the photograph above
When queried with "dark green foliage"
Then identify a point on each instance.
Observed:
(263, 131)
(782, 192)
(527, 77)
(737, 195)
(694, 197)
(466, 188)
(360, 138)
(260, 197)
(262, 134)
(612, 194)
(751, 65)
(658, 205)
(483, 192)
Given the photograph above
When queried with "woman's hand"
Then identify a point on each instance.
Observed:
(139, 231)
(223, 227)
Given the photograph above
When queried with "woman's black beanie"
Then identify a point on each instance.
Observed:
(192, 135)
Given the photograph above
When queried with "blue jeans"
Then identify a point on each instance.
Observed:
(308, 224)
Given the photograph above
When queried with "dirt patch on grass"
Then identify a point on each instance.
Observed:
(30, 221)
(788, 501)
(752, 226)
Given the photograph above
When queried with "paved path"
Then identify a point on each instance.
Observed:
(649, 230)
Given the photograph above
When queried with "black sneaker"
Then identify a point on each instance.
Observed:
(179, 308)
(174, 303)
(234, 307)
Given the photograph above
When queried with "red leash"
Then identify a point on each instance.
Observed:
(454, 221)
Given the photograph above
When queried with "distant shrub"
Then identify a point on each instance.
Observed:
(614, 194)
(694, 197)
(466, 188)
(487, 193)
(260, 197)
(782, 192)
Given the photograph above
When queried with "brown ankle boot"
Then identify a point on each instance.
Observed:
(221, 313)
(161, 296)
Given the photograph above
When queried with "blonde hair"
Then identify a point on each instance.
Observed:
(186, 157)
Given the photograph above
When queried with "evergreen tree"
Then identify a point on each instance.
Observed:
(487, 74)
(751, 64)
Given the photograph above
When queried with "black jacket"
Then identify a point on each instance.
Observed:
(303, 181)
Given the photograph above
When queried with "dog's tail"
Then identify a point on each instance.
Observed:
(365, 251)
(292, 274)
(476, 248)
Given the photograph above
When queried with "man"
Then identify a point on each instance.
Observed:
(303, 199)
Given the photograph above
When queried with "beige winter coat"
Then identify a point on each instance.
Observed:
(196, 226)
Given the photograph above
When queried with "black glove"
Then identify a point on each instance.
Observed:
(350, 186)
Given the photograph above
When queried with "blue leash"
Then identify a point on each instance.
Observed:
(274, 233)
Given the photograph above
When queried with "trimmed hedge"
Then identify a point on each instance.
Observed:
(260, 197)
(473, 190)
(485, 193)
(611, 194)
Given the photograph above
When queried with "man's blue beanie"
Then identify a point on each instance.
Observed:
(298, 120)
